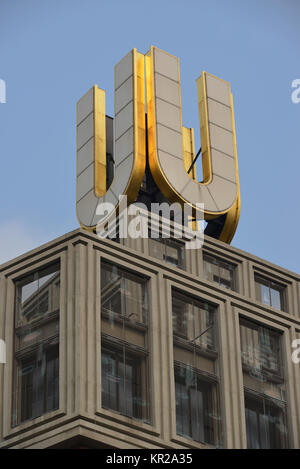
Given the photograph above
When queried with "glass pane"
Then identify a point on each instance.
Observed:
(36, 360)
(275, 298)
(123, 293)
(37, 295)
(265, 294)
(260, 348)
(157, 248)
(37, 384)
(196, 407)
(218, 271)
(265, 424)
(124, 391)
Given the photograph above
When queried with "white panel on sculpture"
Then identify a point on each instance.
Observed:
(109, 198)
(85, 156)
(174, 170)
(224, 192)
(217, 89)
(123, 171)
(124, 120)
(85, 181)
(85, 106)
(167, 89)
(219, 114)
(85, 130)
(123, 70)
(124, 146)
(223, 165)
(86, 208)
(166, 64)
(221, 139)
(124, 94)
(193, 193)
(168, 115)
(169, 141)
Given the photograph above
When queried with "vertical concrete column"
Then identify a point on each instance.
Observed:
(80, 326)
(292, 378)
(232, 392)
(166, 356)
(295, 299)
(9, 339)
(2, 337)
(70, 329)
(251, 282)
(92, 309)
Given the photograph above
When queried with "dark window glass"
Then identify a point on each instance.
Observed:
(36, 356)
(123, 293)
(124, 325)
(260, 348)
(196, 406)
(265, 423)
(169, 250)
(124, 382)
(195, 365)
(219, 271)
(193, 320)
(270, 293)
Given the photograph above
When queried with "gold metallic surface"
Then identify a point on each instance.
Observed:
(99, 142)
(155, 168)
(139, 163)
(161, 180)
(143, 72)
(204, 131)
(233, 215)
(189, 151)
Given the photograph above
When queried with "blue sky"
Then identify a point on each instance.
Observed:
(53, 51)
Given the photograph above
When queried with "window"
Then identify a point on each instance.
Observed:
(124, 354)
(269, 292)
(260, 348)
(123, 381)
(219, 271)
(169, 250)
(265, 423)
(264, 386)
(36, 356)
(195, 369)
(193, 321)
(196, 406)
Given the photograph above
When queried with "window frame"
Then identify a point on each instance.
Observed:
(55, 265)
(260, 279)
(220, 260)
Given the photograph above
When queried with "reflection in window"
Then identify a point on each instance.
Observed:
(169, 250)
(124, 381)
(193, 320)
(36, 358)
(124, 325)
(197, 414)
(260, 347)
(264, 385)
(219, 271)
(269, 292)
(123, 293)
(195, 368)
(265, 423)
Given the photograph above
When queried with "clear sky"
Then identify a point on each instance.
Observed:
(53, 51)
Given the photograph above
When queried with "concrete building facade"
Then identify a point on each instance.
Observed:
(144, 344)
